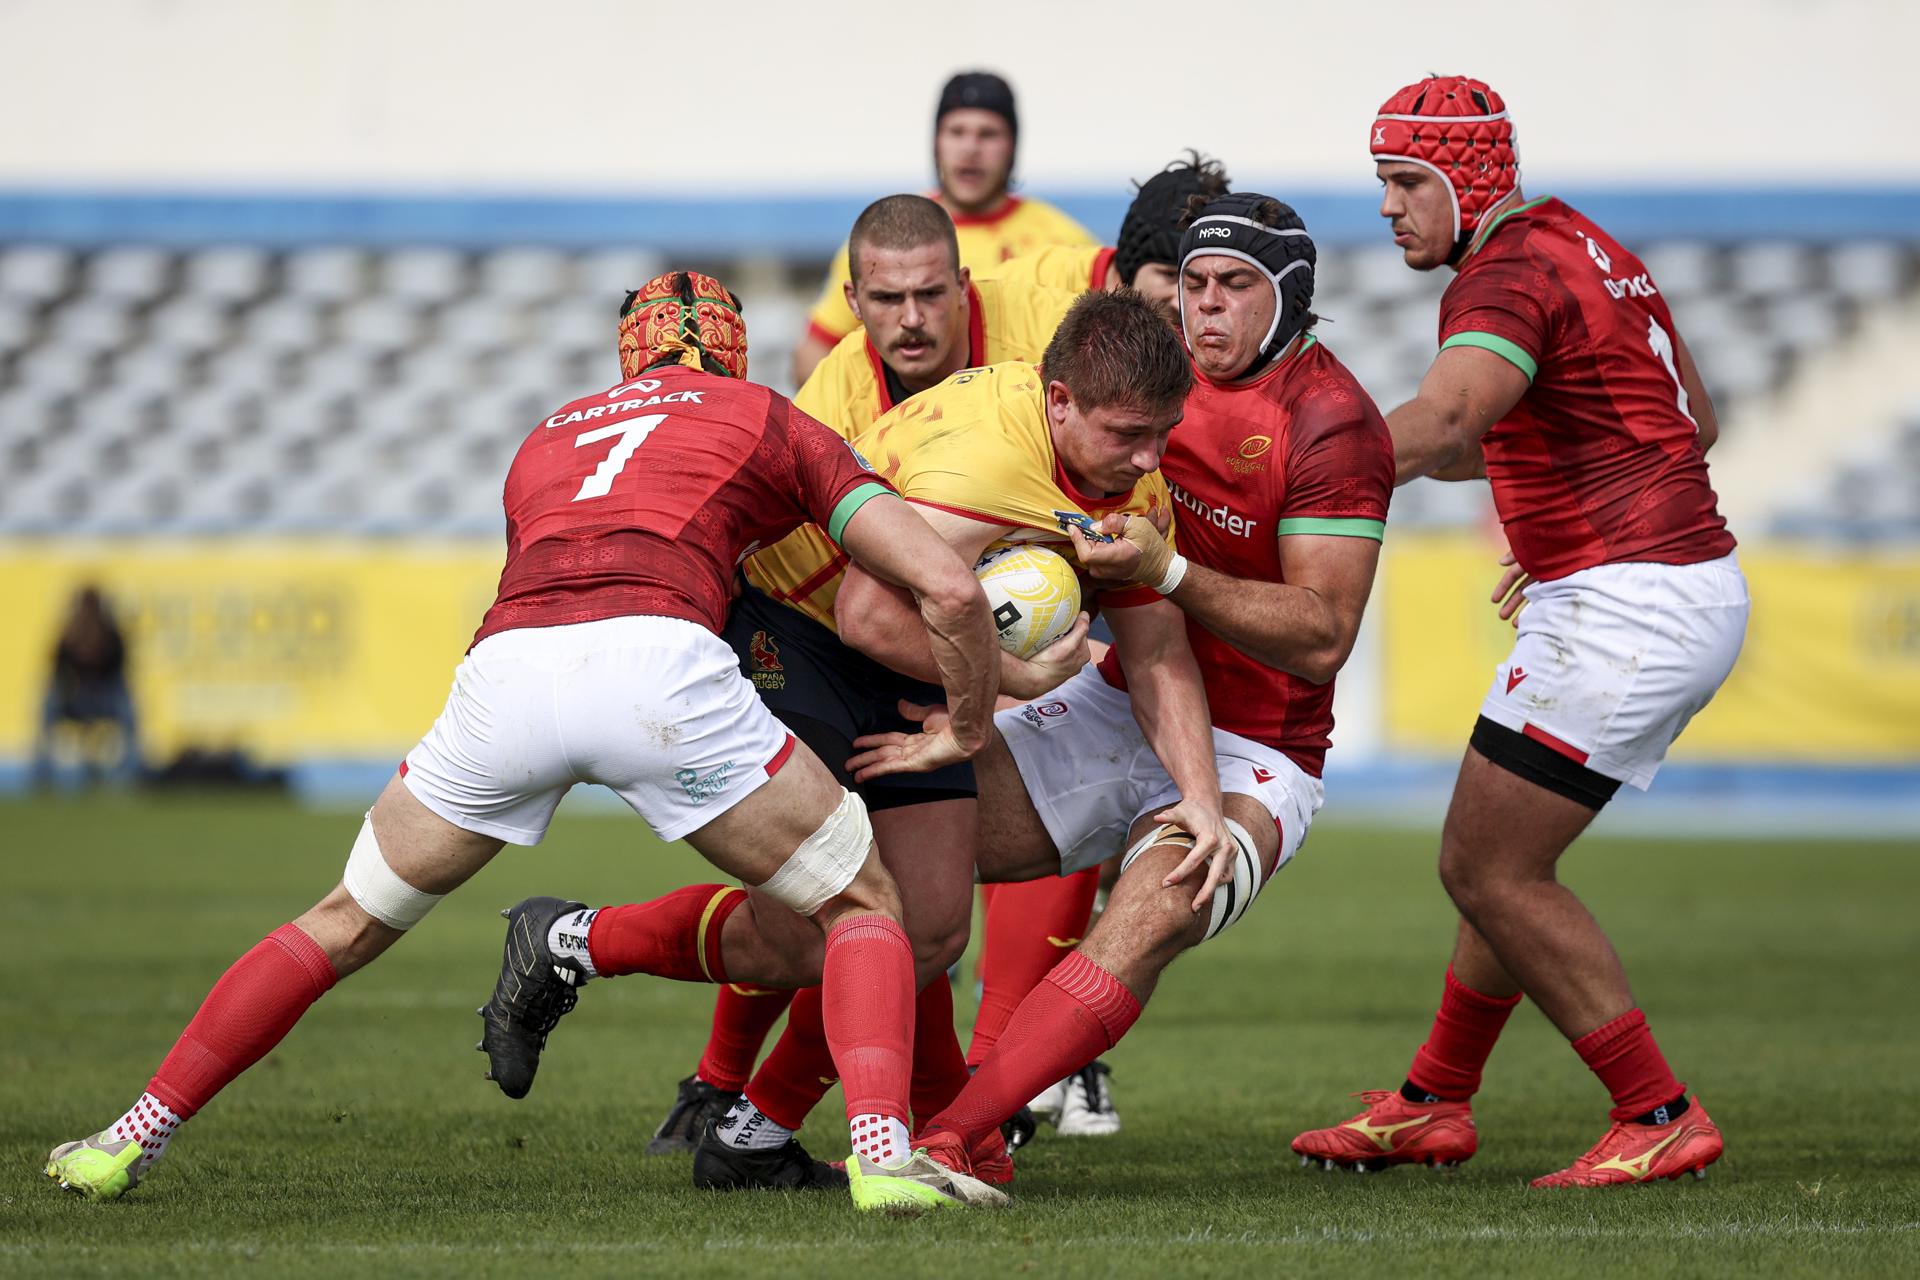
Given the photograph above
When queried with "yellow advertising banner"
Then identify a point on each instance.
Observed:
(313, 649)
(1830, 670)
(285, 649)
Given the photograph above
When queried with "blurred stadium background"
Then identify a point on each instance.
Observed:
(280, 293)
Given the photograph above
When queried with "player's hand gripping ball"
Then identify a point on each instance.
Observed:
(1034, 595)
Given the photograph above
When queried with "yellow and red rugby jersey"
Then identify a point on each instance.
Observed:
(1019, 226)
(1006, 321)
(1075, 268)
(977, 445)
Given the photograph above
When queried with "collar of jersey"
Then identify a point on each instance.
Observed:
(1001, 214)
(1486, 232)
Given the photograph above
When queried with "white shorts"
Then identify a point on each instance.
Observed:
(1091, 775)
(653, 708)
(1611, 662)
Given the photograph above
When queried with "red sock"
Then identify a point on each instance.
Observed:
(742, 1017)
(1449, 1064)
(866, 998)
(1077, 1013)
(799, 1069)
(939, 1070)
(1028, 926)
(1623, 1054)
(254, 1005)
(676, 937)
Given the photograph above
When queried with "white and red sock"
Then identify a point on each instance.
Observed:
(150, 1122)
(879, 1139)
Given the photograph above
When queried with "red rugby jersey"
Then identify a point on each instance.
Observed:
(642, 499)
(1600, 461)
(1301, 450)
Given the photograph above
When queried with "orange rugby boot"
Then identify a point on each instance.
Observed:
(1393, 1131)
(1645, 1153)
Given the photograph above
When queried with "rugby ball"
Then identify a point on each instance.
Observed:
(1033, 593)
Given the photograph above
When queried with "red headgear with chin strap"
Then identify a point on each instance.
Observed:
(1457, 127)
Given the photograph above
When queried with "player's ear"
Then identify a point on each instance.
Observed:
(965, 277)
(1059, 401)
(853, 299)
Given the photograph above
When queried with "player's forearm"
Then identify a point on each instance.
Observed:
(1470, 465)
(1170, 705)
(883, 624)
(1289, 628)
(1431, 439)
(962, 645)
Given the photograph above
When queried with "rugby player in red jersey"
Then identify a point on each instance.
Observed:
(1562, 379)
(1283, 468)
(600, 661)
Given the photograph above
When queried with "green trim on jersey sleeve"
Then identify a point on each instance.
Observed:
(1511, 351)
(855, 499)
(1335, 527)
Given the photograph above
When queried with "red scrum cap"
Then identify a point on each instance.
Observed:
(1458, 127)
(683, 317)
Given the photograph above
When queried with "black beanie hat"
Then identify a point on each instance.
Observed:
(983, 90)
(1151, 230)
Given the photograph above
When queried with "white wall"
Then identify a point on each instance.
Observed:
(641, 96)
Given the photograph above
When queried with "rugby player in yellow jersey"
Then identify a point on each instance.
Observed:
(922, 321)
(1145, 254)
(976, 132)
(1002, 453)
(922, 316)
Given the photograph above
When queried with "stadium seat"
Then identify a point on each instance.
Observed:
(130, 274)
(424, 277)
(35, 273)
(230, 275)
(331, 274)
(347, 388)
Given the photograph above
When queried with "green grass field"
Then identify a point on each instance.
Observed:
(1779, 976)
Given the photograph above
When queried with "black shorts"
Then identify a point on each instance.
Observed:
(827, 695)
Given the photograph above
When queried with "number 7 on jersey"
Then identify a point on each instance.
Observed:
(633, 433)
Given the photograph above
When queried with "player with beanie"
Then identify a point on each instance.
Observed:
(1562, 379)
(976, 131)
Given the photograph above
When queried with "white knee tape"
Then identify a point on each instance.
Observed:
(1231, 899)
(826, 861)
(380, 893)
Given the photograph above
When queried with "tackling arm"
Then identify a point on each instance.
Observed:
(1305, 625)
(1170, 706)
(953, 625)
(879, 620)
(1437, 433)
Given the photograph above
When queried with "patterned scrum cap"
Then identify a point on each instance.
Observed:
(1458, 127)
(683, 317)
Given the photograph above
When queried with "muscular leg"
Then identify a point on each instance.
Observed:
(1012, 843)
(1502, 840)
(1094, 995)
(1522, 930)
(930, 848)
(267, 990)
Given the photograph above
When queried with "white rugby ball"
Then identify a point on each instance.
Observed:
(1033, 593)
